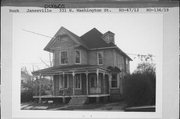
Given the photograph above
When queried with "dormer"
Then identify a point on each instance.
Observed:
(108, 37)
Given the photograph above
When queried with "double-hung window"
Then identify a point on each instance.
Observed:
(77, 57)
(114, 82)
(100, 58)
(64, 57)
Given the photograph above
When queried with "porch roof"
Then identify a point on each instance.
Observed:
(69, 69)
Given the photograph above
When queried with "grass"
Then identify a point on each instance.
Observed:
(119, 106)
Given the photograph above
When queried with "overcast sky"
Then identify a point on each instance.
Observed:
(134, 33)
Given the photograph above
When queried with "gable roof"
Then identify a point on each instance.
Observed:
(64, 31)
(91, 40)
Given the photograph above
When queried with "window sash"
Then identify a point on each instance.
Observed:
(100, 57)
(114, 81)
(77, 57)
(64, 57)
(114, 84)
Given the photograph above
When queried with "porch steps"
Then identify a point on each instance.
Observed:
(78, 100)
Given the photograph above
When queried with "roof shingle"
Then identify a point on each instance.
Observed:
(93, 39)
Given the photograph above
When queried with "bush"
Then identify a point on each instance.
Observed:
(139, 89)
(27, 96)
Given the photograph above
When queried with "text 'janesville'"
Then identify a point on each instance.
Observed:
(91, 10)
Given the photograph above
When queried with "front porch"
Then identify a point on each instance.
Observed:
(80, 81)
(65, 99)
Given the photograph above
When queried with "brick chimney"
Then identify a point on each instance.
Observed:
(108, 37)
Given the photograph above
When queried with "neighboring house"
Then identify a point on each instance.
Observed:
(90, 65)
(25, 78)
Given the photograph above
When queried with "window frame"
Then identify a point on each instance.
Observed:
(101, 52)
(61, 59)
(80, 81)
(79, 56)
(116, 81)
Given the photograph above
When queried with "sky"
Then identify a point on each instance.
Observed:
(134, 33)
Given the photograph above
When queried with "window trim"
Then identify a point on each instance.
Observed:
(101, 52)
(79, 56)
(80, 82)
(67, 57)
(117, 82)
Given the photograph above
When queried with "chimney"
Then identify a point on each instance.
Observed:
(108, 37)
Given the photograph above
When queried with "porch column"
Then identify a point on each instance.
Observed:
(104, 84)
(63, 82)
(109, 82)
(52, 83)
(73, 75)
(97, 73)
(87, 87)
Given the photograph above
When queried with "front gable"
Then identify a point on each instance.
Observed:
(63, 42)
(63, 38)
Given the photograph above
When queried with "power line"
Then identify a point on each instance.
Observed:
(37, 33)
(52, 37)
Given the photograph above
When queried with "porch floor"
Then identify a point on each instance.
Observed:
(93, 95)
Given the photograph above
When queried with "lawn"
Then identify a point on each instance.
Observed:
(115, 106)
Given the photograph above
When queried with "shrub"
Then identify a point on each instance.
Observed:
(139, 89)
(27, 96)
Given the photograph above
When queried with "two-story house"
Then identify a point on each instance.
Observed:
(88, 66)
